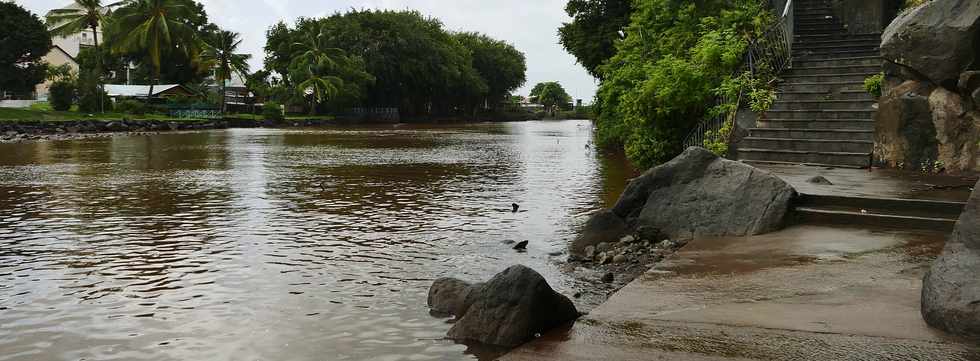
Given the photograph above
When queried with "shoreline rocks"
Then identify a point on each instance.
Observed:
(951, 287)
(508, 310)
(695, 194)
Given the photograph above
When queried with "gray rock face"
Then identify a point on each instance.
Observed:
(452, 296)
(511, 308)
(904, 133)
(951, 288)
(938, 39)
(604, 226)
(701, 194)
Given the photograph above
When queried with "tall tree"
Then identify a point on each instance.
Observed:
(25, 40)
(156, 27)
(85, 15)
(221, 53)
(501, 66)
(596, 26)
(550, 94)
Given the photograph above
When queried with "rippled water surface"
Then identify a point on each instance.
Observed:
(306, 244)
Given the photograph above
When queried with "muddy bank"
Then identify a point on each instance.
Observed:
(17, 130)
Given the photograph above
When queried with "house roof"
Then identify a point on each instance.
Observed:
(122, 90)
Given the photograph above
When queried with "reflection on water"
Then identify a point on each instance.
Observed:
(277, 244)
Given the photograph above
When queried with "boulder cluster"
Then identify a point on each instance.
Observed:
(511, 308)
(630, 249)
(929, 112)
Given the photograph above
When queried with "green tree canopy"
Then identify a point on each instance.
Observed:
(221, 53)
(417, 66)
(25, 40)
(551, 95)
(673, 61)
(596, 26)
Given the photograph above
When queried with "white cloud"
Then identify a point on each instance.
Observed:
(532, 26)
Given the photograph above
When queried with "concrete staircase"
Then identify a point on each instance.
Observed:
(886, 213)
(822, 114)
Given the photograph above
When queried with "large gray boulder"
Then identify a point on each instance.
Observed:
(701, 194)
(508, 310)
(951, 288)
(937, 40)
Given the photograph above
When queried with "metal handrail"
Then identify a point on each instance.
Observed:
(773, 49)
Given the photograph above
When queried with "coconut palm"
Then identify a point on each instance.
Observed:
(155, 27)
(315, 59)
(84, 15)
(220, 54)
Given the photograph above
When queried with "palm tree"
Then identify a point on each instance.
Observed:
(314, 60)
(220, 53)
(155, 27)
(85, 15)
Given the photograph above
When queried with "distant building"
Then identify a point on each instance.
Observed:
(66, 50)
(117, 91)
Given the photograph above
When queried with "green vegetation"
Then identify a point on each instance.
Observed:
(675, 58)
(552, 95)
(220, 51)
(272, 111)
(24, 41)
(45, 112)
(396, 59)
(62, 94)
(873, 84)
(596, 27)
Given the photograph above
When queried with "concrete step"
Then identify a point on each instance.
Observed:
(820, 29)
(841, 217)
(814, 16)
(825, 78)
(839, 61)
(841, 124)
(861, 95)
(804, 133)
(824, 48)
(781, 104)
(822, 86)
(821, 114)
(837, 36)
(838, 159)
(811, 55)
(893, 206)
(836, 42)
(808, 145)
(832, 70)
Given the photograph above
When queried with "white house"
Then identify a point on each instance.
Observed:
(65, 51)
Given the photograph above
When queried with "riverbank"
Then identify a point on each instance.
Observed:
(20, 130)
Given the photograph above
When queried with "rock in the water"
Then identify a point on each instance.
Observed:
(450, 295)
(937, 40)
(609, 277)
(515, 207)
(619, 258)
(820, 180)
(590, 252)
(520, 246)
(627, 239)
(603, 247)
(604, 226)
(701, 194)
(511, 308)
(951, 288)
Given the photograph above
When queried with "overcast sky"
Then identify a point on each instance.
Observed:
(530, 25)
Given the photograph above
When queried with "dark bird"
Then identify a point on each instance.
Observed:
(521, 246)
(516, 207)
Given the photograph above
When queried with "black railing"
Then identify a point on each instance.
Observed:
(770, 53)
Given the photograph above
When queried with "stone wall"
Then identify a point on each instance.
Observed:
(929, 114)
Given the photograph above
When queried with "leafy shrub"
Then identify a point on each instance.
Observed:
(88, 100)
(272, 111)
(62, 93)
(130, 106)
(913, 3)
(873, 84)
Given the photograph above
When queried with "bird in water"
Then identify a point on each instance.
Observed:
(516, 207)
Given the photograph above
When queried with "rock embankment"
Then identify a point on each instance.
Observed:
(14, 130)
(508, 310)
(951, 288)
(929, 111)
(695, 194)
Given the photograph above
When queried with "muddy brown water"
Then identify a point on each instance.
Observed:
(258, 244)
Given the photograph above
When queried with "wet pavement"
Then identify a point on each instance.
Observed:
(805, 293)
(876, 183)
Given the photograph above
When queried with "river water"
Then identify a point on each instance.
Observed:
(266, 244)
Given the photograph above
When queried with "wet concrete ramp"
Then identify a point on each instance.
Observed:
(806, 293)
